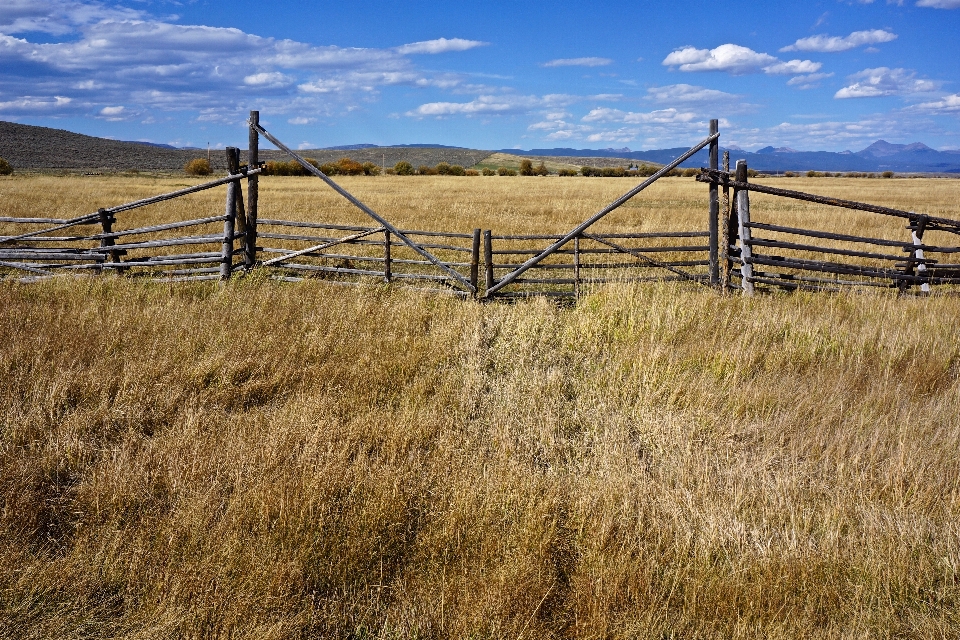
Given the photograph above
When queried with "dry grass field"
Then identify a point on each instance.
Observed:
(274, 460)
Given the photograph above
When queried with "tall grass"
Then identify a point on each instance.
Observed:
(281, 461)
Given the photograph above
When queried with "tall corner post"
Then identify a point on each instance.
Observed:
(475, 263)
(743, 226)
(230, 213)
(725, 228)
(714, 206)
(253, 160)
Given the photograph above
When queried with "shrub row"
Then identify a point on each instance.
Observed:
(827, 174)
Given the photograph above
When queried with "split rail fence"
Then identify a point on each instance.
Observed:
(482, 263)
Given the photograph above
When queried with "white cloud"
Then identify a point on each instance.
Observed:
(808, 81)
(617, 135)
(578, 62)
(883, 81)
(946, 104)
(440, 45)
(662, 116)
(301, 120)
(268, 79)
(833, 44)
(735, 59)
(305, 145)
(688, 93)
(111, 111)
(939, 4)
(33, 105)
(490, 104)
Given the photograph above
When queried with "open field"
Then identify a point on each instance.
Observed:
(271, 460)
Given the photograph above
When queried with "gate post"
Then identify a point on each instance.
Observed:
(475, 263)
(714, 206)
(253, 160)
(725, 227)
(743, 218)
(230, 213)
(488, 259)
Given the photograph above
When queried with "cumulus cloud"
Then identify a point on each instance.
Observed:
(833, 44)
(662, 116)
(132, 58)
(440, 45)
(735, 59)
(578, 62)
(808, 81)
(300, 120)
(492, 104)
(883, 81)
(946, 104)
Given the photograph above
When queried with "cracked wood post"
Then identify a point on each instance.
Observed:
(253, 187)
(387, 272)
(488, 259)
(475, 261)
(917, 234)
(106, 222)
(230, 214)
(725, 229)
(576, 267)
(743, 219)
(714, 205)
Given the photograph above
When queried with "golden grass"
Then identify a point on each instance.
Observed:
(268, 460)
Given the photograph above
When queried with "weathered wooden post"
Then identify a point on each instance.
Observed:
(743, 218)
(230, 213)
(387, 267)
(488, 259)
(725, 227)
(106, 223)
(253, 160)
(714, 205)
(475, 261)
(576, 267)
(917, 234)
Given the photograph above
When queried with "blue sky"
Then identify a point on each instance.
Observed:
(828, 75)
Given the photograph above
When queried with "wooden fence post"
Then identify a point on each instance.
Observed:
(387, 268)
(576, 267)
(918, 230)
(743, 218)
(230, 214)
(106, 223)
(253, 187)
(488, 259)
(475, 261)
(725, 229)
(714, 205)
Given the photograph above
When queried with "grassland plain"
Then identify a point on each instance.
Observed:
(277, 460)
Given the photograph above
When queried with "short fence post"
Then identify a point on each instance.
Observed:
(253, 187)
(743, 218)
(576, 267)
(714, 205)
(918, 230)
(725, 227)
(230, 213)
(488, 259)
(475, 262)
(387, 272)
(106, 223)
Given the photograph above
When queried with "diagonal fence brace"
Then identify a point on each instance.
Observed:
(370, 212)
(513, 275)
(323, 245)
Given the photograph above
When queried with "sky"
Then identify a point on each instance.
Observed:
(831, 75)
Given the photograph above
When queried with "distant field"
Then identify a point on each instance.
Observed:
(272, 460)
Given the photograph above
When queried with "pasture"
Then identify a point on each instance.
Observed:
(289, 460)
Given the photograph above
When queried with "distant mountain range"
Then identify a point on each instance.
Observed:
(879, 156)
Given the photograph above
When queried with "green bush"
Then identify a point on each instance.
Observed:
(752, 173)
(541, 170)
(526, 168)
(442, 168)
(403, 168)
(456, 170)
(371, 169)
(489, 172)
(689, 173)
(5, 168)
(887, 174)
(587, 171)
(198, 167)
(567, 172)
(503, 171)
(788, 174)
(424, 170)
(472, 172)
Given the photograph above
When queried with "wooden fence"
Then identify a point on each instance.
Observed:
(482, 263)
